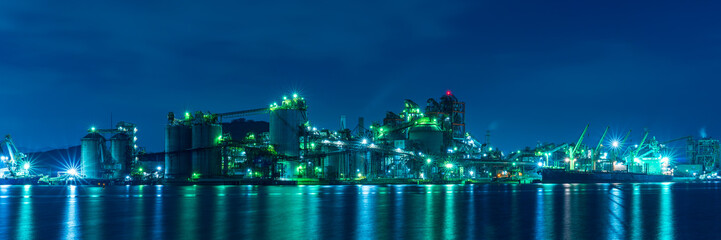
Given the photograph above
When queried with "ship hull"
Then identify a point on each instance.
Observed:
(19, 181)
(562, 176)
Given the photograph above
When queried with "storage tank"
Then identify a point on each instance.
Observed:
(429, 137)
(91, 155)
(285, 125)
(121, 155)
(206, 154)
(178, 160)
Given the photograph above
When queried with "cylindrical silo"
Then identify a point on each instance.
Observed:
(429, 137)
(178, 161)
(121, 155)
(285, 125)
(206, 154)
(91, 155)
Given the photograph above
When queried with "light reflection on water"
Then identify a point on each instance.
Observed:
(550, 211)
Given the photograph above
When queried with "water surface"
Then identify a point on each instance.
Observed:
(534, 211)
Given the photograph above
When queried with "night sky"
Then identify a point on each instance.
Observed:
(529, 71)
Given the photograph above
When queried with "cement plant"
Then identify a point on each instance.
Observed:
(416, 145)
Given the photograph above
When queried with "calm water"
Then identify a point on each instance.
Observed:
(550, 211)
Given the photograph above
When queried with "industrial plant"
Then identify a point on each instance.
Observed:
(416, 144)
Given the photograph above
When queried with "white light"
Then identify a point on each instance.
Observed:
(428, 160)
(471, 172)
(364, 141)
(159, 168)
(72, 171)
(540, 164)
(614, 144)
(448, 165)
(26, 166)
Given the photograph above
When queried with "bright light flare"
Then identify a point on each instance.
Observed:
(615, 144)
(72, 172)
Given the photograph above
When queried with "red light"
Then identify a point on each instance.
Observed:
(448, 92)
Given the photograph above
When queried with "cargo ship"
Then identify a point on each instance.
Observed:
(31, 180)
(562, 176)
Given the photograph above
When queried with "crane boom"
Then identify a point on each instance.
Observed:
(681, 138)
(575, 148)
(595, 151)
(595, 154)
(635, 153)
(626, 137)
(558, 148)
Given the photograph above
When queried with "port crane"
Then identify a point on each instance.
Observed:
(14, 157)
(572, 153)
(596, 154)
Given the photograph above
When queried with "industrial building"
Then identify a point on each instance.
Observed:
(704, 152)
(428, 144)
(113, 160)
(417, 143)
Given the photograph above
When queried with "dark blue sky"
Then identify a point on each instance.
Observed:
(529, 70)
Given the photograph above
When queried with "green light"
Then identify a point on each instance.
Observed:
(428, 160)
(295, 95)
(92, 129)
(449, 165)
(141, 169)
